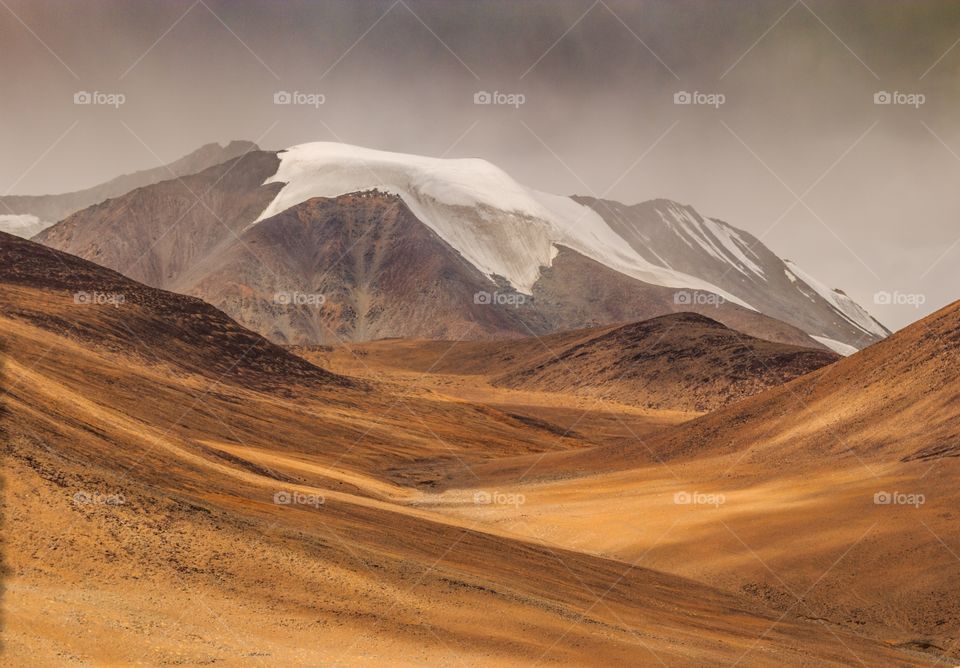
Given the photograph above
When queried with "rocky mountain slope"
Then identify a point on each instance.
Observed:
(677, 236)
(162, 234)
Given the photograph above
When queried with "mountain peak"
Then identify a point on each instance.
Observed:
(550, 260)
(500, 226)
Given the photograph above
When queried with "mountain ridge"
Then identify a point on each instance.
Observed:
(677, 235)
(28, 215)
(530, 251)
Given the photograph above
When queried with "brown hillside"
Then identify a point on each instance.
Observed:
(684, 362)
(145, 525)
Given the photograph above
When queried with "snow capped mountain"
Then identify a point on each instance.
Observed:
(411, 246)
(676, 236)
(501, 227)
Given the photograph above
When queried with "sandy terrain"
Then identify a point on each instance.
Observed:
(221, 502)
(131, 543)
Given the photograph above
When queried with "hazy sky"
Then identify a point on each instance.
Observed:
(878, 207)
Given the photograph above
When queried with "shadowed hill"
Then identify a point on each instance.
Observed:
(684, 361)
(898, 399)
(70, 296)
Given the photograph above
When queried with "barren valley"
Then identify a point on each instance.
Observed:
(479, 334)
(227, 501)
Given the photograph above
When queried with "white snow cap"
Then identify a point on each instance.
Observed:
(499, 226)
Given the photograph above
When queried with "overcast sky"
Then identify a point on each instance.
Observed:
(862, 195)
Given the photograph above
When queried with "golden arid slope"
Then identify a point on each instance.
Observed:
(833, 496)
(178, 491)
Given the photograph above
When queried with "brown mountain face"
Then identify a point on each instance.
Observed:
(159, 234)
(382, 273)
(361, 266)
(683, 362)
(53, 208)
